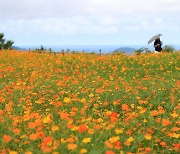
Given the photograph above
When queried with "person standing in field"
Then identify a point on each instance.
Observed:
(157, 45)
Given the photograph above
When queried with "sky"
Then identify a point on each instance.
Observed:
(89, 22)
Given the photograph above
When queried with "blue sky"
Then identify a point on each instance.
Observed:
(89, 22)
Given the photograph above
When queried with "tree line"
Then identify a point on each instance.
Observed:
(8, 45)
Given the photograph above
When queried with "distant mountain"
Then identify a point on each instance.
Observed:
(125, 49)
(18, 48)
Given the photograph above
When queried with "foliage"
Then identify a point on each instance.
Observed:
(168, 48)
(118, 52)
(5, 44)
(85, 103)
(145, 50)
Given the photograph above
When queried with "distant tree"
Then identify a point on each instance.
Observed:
(68, 50)
(1, 38)
(168, 48)
(5, 44)
(8, 44)
(50, 50)
(42, 48)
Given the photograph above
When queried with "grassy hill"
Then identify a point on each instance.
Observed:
(86, 103)
(125, 49)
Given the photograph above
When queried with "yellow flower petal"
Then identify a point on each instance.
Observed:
(86, 140)
(148, 136)
(91, 95)
(67, 100)
(82, 151)
(114, 139)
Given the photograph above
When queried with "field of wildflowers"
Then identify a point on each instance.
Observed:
(86, 103)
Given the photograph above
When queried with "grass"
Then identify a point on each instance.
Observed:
(86, 103)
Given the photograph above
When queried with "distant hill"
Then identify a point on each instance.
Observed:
(125, 49)
(18, 48)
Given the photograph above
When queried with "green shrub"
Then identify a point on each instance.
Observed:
(168, 48)
(139, 51)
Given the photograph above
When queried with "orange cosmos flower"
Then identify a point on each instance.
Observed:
(114, 139)
(40, 134)
(72, 146)
(1, 112)
(125, 107)
(108, 144)
(82, 151)
(129, 132)
(31, 125)
(33, 137)
(117, 145)
(54, 128)
(6, 138)
(177, 146)
(47, 149)
(82, 128)
(147, 149)
(90, 131)
(16, 141)
(148, 136)
(149, 130)
(28, 152)
(114, 114)
(166, 122)
(70, 140)
(178, 82)
(109, 152)
(74, 109)
(99, 90)
(10, 69)
(172, 99)
(163, 144)
(106, 103)
(46, 143)
(16, 130)
(64, 115)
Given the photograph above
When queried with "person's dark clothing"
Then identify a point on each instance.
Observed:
(158, 47)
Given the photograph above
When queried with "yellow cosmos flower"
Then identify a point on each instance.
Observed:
(54, 128)
(83, 100)
(148, 136)
(67, 100)
(130, 139)
(119, 131)
(72, 146)
(114, 139)
(47, 119)
(174, 115)
(82, 151)
(13, 152)
(174, 135)
(28, 152)
(86, 140)
(91, 95)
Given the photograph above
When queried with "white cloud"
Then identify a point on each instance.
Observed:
(20, 9)
(89, 17)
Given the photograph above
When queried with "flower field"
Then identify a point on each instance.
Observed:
(85, 103)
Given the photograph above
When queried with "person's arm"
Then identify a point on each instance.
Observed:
(156, 45)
